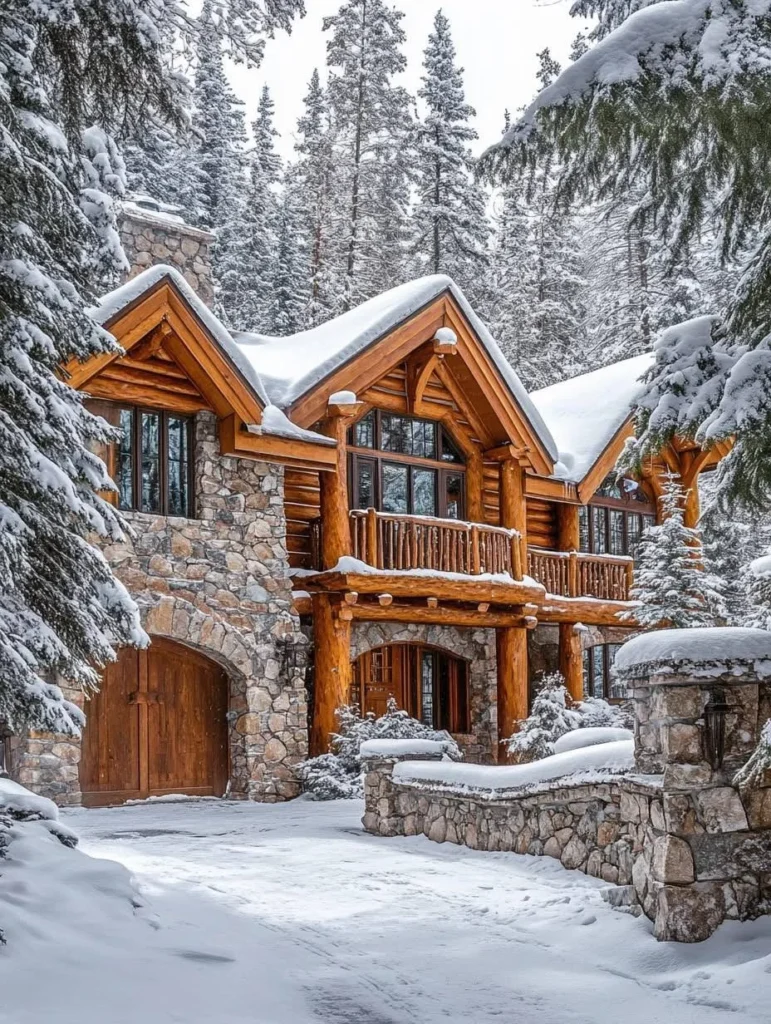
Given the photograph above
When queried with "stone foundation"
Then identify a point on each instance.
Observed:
(476, 646)
(219, 584)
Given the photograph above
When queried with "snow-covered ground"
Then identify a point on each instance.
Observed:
(290, 914)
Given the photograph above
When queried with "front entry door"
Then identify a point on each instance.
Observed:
(157, 726)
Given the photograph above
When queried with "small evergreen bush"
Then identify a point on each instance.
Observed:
(338, 774)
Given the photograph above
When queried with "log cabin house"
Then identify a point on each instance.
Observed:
(372, 508)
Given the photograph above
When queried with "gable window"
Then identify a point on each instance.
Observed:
(153, 463)
(614, 521)
(403, 465)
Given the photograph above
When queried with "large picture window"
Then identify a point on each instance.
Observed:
(404, 465)
(614, 522)
(153, 465)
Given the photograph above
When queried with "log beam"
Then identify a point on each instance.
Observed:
(591, 611)
(511, 657)
(332, 670)
(571, 662)
(468, 617)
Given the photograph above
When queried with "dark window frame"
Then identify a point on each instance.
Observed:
(633, 511)
(442, 466)
(164, 415)
(605, 654)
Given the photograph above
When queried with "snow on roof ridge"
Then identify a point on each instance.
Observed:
(291, 366)
(115, 301)
(584, 413)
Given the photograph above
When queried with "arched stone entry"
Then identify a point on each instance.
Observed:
(157, 726)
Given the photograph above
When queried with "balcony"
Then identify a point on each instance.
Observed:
(578, 574)
(392, 542)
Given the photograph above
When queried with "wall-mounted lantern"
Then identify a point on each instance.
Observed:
(293, 656)
(715, 711)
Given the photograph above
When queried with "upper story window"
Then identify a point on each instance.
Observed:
(405, 465)
(153, 462)
(616, 517)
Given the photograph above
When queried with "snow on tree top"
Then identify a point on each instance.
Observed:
(584, 413)
(761, 566)
(289, 367)
(707, 650)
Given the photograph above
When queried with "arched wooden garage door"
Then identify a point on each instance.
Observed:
(158, 725)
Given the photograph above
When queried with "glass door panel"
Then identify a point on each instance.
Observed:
(424, 492)
(151, 462)
(395, 488)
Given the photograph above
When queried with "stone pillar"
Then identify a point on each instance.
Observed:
(703, 845)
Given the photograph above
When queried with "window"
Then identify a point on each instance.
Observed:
(598, 666)
(405, 483)
(613, 523)
(153, 464)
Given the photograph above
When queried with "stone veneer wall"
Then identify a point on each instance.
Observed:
(477, 646)
(220, 584)
(150, 238)
(679, 840)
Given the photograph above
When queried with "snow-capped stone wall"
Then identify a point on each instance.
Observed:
(677, 837)
(218, 583)
(476, 646)
(149, 238)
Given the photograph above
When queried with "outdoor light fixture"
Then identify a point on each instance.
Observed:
(292, 655)
(715, 711)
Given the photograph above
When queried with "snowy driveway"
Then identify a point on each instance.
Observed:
(290, 914)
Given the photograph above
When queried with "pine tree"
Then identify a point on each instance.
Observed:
(450, 218)
(672, 584)
(312, 180)
(289, 308)
(250, 238)
(551, 716)
(372, 123)
(61, 610)
(758, 582)
(609, 14)
(669, 102)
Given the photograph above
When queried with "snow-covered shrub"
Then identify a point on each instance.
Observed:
(757, 771)
(596, 712)
(337, 775)
(550, 717)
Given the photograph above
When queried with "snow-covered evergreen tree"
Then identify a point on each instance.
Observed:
(250, 237)
(606, 14)
(551, 716)
(450, 219)
(672, 584)
(669, 102)
(371, 118)
(312, 180)
(61, 609)
(289, 307)
(337, 775)
(758, 581)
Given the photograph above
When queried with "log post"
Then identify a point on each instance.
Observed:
(513, 508)
(372, 556)
(332, 669)
(476, 560)
(474, 486)
(573, 584)
(571, 661)
(511, 657)
(335, 526)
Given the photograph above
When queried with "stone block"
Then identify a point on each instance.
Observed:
(688, 914)
(551, 848)
(757, 805)
(676, 702)
(574, 854)
(672, 861)
(731, 854)
(721, 810)
(681, 743)
(687, 776)
(437, 830)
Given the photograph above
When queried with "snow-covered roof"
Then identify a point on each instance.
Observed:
(289, 367)
(583, 414)
(707, 650)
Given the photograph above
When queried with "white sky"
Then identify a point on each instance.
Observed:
(496, 41)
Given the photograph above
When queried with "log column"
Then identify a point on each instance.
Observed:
(511, 657)
(513, 507)
(571, 659)
(332, 669)
(568, 528)
(335, 524)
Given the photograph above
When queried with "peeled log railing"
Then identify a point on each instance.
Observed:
(403, 542)
(578, 574)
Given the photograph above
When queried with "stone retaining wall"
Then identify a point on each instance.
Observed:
(677, 838)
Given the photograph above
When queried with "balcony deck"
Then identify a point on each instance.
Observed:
(394, 543)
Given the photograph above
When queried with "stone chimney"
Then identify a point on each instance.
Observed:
(153, 232)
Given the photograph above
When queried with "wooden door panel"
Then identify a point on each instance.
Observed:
(186, 723)
(109, 766)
